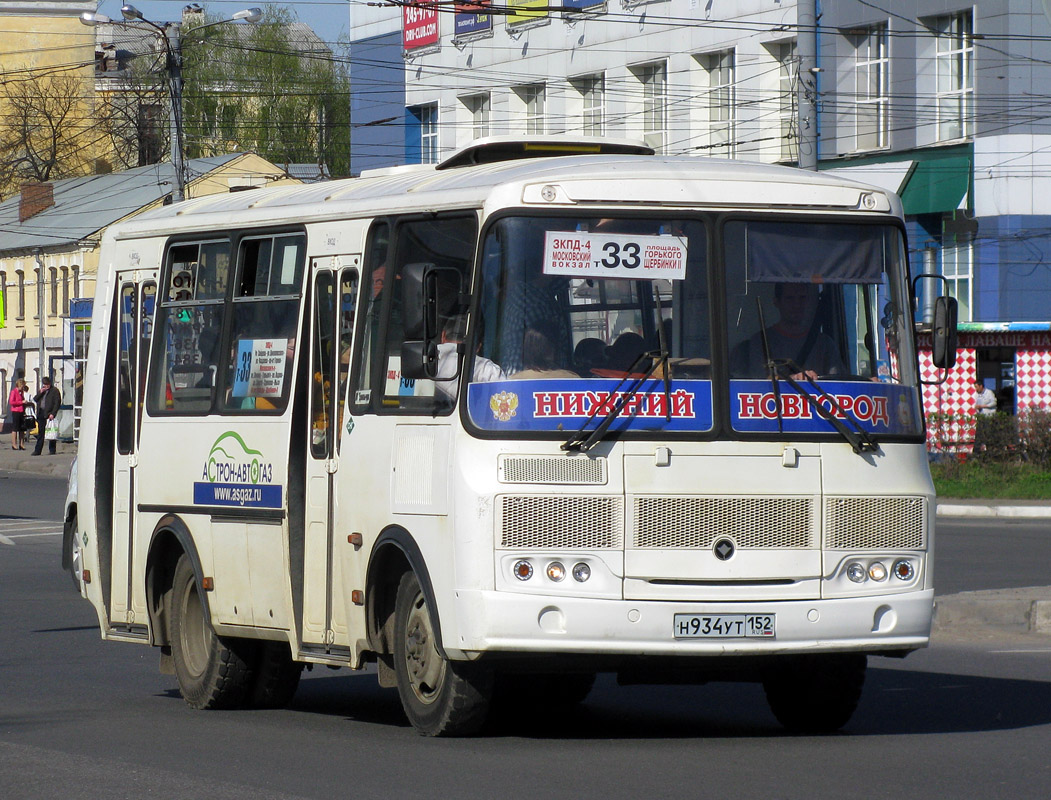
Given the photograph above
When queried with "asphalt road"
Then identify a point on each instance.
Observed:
(81, 718)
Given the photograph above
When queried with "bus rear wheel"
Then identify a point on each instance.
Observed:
(816, 693)
(212, 672)
(440, 697)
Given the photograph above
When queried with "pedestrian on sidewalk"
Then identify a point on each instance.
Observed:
(16, 402)
(48, 401)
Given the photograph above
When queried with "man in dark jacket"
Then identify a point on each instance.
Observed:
(48, 401)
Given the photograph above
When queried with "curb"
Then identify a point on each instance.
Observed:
(1026, 610)
(994, 511)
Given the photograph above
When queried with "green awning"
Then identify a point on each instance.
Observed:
(936, 185)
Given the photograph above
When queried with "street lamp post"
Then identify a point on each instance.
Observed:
(170, 35)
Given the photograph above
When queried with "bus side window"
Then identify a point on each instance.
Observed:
(374, 284)
(449, 244)
(186, 357)
(258, 364)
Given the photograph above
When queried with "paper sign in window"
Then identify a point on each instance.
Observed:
(608, 255)
(260, 368)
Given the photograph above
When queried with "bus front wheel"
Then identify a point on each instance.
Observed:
(440, 697)
(815, 693)
(212, 672)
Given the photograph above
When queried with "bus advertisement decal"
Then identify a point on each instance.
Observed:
(878, 407)
(236, 475)
(565, 404)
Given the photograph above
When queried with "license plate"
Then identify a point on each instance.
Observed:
(724, 626)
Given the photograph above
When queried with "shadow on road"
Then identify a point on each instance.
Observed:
(895, 702)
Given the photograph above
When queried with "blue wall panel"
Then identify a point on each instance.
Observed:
(377, 103)
(1013, 269)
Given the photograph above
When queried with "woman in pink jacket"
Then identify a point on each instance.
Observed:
(16, 401)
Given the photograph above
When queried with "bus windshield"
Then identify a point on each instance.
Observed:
(573, 309)
(576, 312)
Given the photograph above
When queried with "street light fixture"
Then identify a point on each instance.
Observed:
(171, 36)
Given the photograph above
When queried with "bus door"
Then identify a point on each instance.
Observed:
(334, 292)
(136, 300)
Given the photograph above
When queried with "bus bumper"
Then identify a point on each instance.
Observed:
(506, 622)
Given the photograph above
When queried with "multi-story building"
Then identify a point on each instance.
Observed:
(940, 101)
(46, 58)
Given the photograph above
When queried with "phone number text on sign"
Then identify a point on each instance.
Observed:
(597, 255)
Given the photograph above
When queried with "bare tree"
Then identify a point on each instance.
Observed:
(45, 132)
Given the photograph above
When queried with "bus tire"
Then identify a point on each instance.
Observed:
(212, 672)
(440, 697)
(817, 693)
(71, 552)
(276, 676)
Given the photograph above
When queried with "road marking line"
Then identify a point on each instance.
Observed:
(1035, 650)
(31, 535)
(5, 540)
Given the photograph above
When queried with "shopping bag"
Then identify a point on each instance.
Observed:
(51, 430)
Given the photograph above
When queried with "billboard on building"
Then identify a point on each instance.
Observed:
(520, 11)
(420, 24)
(582, 5)
(472, 18)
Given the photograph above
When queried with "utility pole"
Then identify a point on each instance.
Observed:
(806, 83)
(173, 34)
(42, 323)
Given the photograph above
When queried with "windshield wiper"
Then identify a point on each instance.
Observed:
(859, 439)
(771, 366)
(582, 442)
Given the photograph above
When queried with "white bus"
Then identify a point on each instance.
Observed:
(544, 410)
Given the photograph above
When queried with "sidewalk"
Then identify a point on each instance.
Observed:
(44, 464)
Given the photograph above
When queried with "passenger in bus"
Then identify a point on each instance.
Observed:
(588, 355)
(794, 341)
(540, 358)
(484, 370)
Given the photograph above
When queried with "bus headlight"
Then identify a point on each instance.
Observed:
(856, 572)
(903, 570)
(556, 571)
(522, 570)
(877, 571)
(581, 572)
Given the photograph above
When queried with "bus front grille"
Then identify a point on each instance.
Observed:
(698, 522)
(875, 523)
(554, 522)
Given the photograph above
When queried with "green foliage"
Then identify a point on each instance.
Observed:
(1010, 458)
(269, 88)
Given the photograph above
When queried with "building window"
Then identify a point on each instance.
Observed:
(21, 293)
(3, 294)
(870, 88)
(40, 292)
(428, 118)
(955, 75)
(65, 291)
(54, 292)
(76, 281)
(787, 84)
(958, 269)
(653, 78)
(478, 106)
(532, 98)
(592, 91)
(719, 68)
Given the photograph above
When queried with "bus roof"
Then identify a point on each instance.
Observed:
(565, 181)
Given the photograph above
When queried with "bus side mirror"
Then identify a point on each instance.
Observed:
(419, 306)
(943, 345)
(419, 359)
